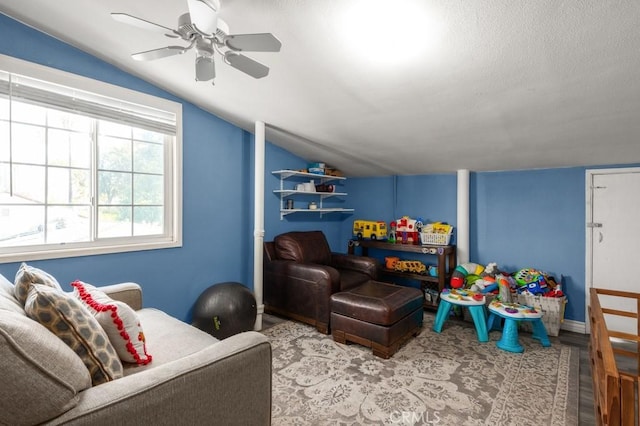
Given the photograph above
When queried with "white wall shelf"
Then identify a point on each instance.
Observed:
(302, 177)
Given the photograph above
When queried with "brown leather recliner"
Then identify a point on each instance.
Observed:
(301, 273)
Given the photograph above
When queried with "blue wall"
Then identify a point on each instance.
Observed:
(518, 219)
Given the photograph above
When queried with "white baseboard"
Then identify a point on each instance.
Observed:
(575, 326)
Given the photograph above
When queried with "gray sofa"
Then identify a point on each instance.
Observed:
(193, 378)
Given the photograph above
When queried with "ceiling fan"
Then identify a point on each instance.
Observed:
(206, 33)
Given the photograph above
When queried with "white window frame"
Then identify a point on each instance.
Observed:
(173, 171)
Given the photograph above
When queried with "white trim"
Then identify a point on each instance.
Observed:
(588, 273)
(175, 169)
(575, 326)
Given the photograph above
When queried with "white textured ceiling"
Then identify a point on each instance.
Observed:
(401, 87)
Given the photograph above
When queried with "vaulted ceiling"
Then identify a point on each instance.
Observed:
(400, 87)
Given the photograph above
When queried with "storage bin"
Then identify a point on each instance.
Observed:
(435, 239)
(552, 307)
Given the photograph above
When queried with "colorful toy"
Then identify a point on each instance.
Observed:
(370, 229)
(392, 233)
(504, 288)
(465, 272)
(414, 266)
(531, 280)
(487, 281)
(406, 229)
(390, 262)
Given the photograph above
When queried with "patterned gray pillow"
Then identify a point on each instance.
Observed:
(28, 275)
(67, 318)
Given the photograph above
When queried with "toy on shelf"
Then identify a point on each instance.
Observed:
(390, 262)
(438, 233)
(392, 233)
(413, 266)
(406, 230)
(370, 229)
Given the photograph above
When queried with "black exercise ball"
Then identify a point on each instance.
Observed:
(225, 309)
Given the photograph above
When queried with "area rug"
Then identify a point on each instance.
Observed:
(447, 379)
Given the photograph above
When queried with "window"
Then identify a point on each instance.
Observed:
(85, 167)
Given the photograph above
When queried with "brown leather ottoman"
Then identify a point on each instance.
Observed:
(377, 315)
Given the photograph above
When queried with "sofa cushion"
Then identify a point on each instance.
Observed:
(28, 275)
(41, 375)
(8, 301)
(168, 339)
(118, 320)
(307, 246)
(67, 318)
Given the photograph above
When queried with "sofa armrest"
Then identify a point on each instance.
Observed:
(366, 265)
(129, 293)
(226, 383)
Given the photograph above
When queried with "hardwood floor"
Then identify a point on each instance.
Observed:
(587, 413)
(581, 341)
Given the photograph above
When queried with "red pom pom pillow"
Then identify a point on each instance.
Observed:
(118, 320)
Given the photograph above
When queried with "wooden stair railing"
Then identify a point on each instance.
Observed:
(614, 391)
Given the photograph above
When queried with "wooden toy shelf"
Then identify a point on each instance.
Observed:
(446, 262)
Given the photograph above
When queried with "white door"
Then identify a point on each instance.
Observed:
(613, 235)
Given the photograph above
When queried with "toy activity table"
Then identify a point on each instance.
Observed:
(512, 314)
(467, 299)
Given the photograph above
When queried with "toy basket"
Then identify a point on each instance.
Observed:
(552, 307)
(435, 239)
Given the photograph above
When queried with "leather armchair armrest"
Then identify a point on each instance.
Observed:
(307, 272)
(364, 264)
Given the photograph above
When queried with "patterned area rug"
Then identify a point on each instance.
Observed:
(445, 379)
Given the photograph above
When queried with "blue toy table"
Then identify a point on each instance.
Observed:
(512, 313)
(466, 299)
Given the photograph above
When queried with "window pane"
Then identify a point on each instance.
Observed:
(148, 220)
(114, 188)
(27, 113)
(68, 224)
(114, 154)
(69, 186)
(114, 129)
(67, 148)
(28, 184)
(4, 108)
(148, 135)
(148, 157)
(4, 141)
(69, 121)
(21, 224)
(114, 222)
(148, 189)
(28, 144)
(5, 182)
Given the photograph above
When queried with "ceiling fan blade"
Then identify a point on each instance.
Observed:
(263, 42)
(141, 23)
(163, 52)
(246, 65)
(205, 68)
(204, 15)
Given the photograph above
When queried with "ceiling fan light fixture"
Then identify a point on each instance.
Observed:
(205, 68)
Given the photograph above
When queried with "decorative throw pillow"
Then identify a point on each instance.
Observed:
(28, 275)
(118, 320)
(63, 315)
